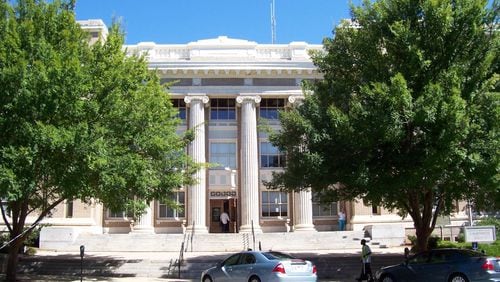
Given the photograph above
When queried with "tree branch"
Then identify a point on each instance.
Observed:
(7, 223)
(42, 215)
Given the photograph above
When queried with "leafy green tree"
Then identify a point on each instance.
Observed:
(78, 121)
(407, 113)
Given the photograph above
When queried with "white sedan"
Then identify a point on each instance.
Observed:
(260, 266)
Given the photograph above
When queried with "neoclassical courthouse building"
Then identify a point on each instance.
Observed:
(225, 88)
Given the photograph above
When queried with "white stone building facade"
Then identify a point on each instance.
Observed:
(227, 90)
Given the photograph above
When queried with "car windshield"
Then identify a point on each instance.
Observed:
(277, 256)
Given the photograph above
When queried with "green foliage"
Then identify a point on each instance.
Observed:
(492, 249)
(407, 116)
(30, 251)
(433, 242)
(80, 121)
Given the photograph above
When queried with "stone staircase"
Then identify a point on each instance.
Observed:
(335, 254)
(221, 242)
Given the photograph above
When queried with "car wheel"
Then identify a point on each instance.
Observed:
(387, 278)
(458, 277)
(254, 279)
(207, 278)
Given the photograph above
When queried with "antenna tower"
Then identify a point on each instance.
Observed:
(273, 22)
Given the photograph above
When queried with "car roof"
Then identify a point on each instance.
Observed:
(467, 252)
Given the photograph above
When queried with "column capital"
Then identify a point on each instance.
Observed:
(251, 98)
(200, 97)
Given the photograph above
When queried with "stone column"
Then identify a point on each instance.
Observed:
(197, 195)
(303, 216)
(249, 165)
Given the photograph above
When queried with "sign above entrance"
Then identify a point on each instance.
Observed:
(223, 194)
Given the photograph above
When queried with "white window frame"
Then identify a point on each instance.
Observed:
(278, 202)
(231, 156)
(333, 208)
(281, 156)
(175, 212)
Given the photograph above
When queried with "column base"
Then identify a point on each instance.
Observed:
(304, 227)
(196, 229)
(248, 229)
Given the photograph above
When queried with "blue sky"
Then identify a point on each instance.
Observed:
(183, 21)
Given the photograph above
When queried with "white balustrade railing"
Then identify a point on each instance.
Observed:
(157, 52)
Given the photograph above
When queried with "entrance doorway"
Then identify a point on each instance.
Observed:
(217, 206)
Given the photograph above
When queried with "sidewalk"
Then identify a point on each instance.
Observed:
(167, 255)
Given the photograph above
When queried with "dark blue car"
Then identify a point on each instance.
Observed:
(443, 265)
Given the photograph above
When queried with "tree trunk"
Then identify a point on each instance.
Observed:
(11, 272)
(423, 233)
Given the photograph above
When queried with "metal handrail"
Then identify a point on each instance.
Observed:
(253, 236)
(179, 262)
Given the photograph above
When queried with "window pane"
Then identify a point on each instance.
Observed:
(265, 210)
(222, 109)
(284, 210)
(263, 161)
(265, 198)
(213, 114)
(182, 114)
(222, 114)
(284, 198)
(223, 154)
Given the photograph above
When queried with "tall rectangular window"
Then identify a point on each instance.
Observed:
(270, 156)
(168, 212)
(223, 154)
(180, 105)
(323, 209)
(269, 108)
(223, 109)
(274, 204)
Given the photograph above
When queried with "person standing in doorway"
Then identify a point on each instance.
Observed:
(224, 220)
(341, 220)
(366, 270)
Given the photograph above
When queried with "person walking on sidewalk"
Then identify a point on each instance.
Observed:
(366, 270)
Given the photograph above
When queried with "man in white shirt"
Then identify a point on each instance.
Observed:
(224, 220)
(366, 271)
